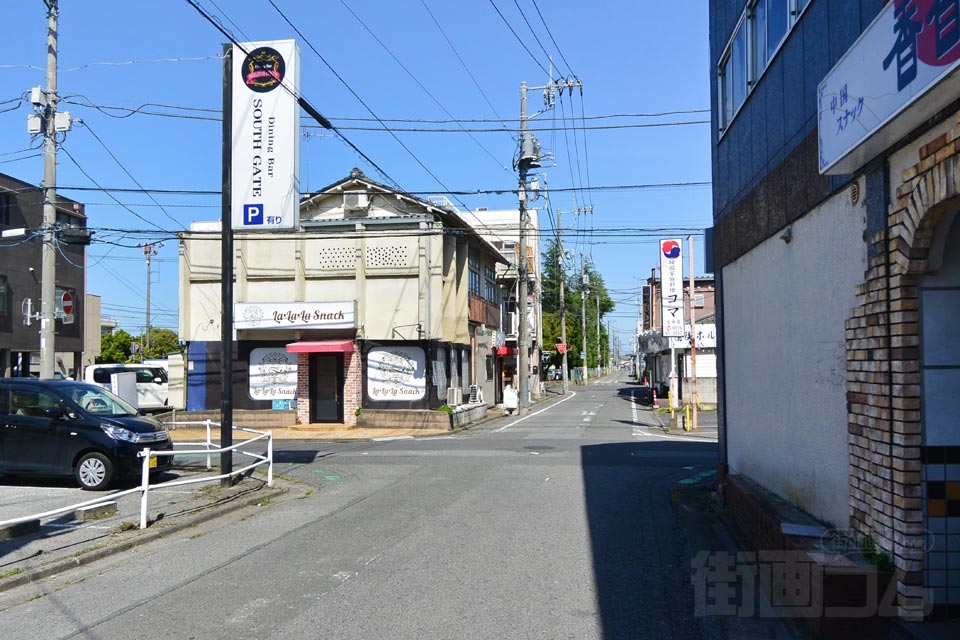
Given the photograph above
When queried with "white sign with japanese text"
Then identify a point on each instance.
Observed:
(706, 337)
(273, 374)
(396, 373)
(671, 295)
(294, 315)
(872, 96)
(265, 140)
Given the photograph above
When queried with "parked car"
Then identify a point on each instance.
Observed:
(64, 428)
(151, 382)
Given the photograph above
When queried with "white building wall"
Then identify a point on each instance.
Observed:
(784, 308)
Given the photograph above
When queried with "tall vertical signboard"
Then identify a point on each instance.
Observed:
(265, 179)
(671, 295)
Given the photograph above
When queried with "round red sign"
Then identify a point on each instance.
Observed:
(66, 301)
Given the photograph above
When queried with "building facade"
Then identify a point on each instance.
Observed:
(502, 229)
(21, 208)
(836, 187)
(375, 301)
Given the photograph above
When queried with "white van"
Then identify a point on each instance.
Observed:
(151, 382)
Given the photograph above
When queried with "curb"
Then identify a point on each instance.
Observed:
(59, 566)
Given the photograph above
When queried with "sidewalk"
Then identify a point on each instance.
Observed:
(707, 427)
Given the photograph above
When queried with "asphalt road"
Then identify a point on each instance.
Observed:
(556, 525)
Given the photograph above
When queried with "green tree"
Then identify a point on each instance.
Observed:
(552, 271)
(115, 348)
(163, 342)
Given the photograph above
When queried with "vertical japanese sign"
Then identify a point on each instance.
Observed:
(671, 296)
(872, 96)
(265, 183)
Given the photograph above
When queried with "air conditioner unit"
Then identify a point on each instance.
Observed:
(476, 394)
(454, 396)
(355, 201)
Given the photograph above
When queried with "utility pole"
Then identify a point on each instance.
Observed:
(48, 271)
(563, 307)
(599, 346)
(563, 298)
(149, 250)
(530, 159)
(584, 279)
(695, 400)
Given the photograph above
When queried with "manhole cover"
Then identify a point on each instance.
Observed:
(539, 447)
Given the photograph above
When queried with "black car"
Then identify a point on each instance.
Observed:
(64, 428)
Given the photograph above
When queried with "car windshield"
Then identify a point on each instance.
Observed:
(97, 400)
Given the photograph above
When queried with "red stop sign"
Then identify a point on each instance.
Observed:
(66, 301)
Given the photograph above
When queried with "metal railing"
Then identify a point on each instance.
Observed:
(208, 450)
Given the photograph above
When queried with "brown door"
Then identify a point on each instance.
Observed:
(326, 387)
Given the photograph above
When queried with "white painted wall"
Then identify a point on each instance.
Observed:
(784, 308)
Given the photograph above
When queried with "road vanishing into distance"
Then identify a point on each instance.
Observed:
(555, 525)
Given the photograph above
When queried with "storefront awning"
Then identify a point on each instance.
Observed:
(503, 351)
(321, 346)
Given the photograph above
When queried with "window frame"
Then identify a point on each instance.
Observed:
(4, 296)
(474, 282)
(747, 21)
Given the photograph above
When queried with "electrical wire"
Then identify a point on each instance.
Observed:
(420, 84)
(130, 175)
(465, 192)
(560, 51)
(465, 68)
(529, 26)
(519, 39)
(90, 178)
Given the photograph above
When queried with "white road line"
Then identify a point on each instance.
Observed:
(519, 420)
(391, 438)
(638, 432)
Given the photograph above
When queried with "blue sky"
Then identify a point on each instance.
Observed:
(633, 58)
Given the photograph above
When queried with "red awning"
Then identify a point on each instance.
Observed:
(321, 346)
(500, 351)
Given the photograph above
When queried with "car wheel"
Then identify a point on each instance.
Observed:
(94, 472)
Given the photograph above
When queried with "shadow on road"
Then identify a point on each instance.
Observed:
(639, 562)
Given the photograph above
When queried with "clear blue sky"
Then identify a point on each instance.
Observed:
(632, 57)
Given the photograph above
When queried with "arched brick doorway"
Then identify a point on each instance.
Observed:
(889, 422)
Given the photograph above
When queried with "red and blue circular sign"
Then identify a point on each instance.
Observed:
(670, 248)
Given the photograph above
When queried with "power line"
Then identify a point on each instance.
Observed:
(545, 26)
(463, 192)
(304, 104)
(129, 175)
(519, 39)
(463, 64)
(529, 26)
(90, 178)
(419, 84)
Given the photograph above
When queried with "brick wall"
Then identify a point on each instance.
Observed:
(883, 368)
(352, 388)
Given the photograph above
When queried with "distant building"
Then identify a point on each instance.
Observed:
(21, 207)
(656, 351)
(502, 229)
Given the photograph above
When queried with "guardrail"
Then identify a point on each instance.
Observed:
(145, 487)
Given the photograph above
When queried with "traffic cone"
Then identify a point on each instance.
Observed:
(655, 404)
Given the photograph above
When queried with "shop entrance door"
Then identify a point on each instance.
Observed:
(326, 387)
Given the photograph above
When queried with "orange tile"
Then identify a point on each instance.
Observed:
(953, 491)
(936, 508)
